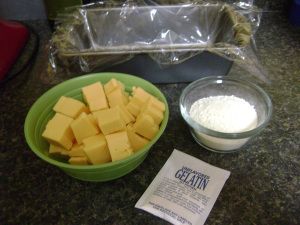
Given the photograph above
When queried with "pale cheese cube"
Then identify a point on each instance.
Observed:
(126, 97)
(57, 150)
(145, 126)
(65, 154)
(121, 85)
(76, 151)
(157, 103)
(137, 142)
(112, 85)
(82, 128)
(95, 97)
(58, 131)
(117, 97)
(70, 107)
(133, 108)
(96, 150)
(126, 116)
(152, 111)
(136, 100)
(61, 121)
(140, 94)
(110, 120)
(119, 145)
(78, 160)
(93, 119)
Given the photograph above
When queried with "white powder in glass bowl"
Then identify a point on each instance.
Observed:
(227, 114)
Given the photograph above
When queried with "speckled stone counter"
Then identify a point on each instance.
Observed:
(264, 186)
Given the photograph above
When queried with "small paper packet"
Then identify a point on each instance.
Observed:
(184, 191)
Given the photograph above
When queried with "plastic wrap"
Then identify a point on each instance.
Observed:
(96, 36)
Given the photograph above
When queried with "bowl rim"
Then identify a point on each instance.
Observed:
(219, 79)
(122, 162)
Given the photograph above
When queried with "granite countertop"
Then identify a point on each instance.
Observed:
(264, 186)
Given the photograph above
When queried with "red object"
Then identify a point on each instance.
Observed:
(13, 37)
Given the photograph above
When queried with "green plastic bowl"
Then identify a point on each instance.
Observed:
(41, 112)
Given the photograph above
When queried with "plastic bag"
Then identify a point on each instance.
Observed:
(96, 36)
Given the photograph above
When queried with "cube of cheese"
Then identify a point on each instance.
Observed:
(119, 145)
(140, 94)
(96, 150)
(125, 97)
(58, 131)
(137, 142)
(93, 119)
(117, 97)
(112, 85)
(65, 154)
(82, 128)
(145, 126)
(136, 100)
(78, 160)
(125, 115)
(70, 107)
(94, 96)
(143, 96)
(57, 150)
(133, 108)
(59, 120)
(76, 151)
(157, 103)
(110, 120)
(152, 111)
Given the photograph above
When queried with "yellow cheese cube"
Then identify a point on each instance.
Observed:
(119, 145)
(137, 142)
(130, 124)
(82, 128)
(117, 97)
(152, 111)
(110, 120)
(143, 96)
(121, 85)
(133, 108)
(58, 131)
(96, 114)
(94, 96)
(61, 121)
(95, 148)
(140, 102)
(145, 126)
(70, 107)
(65, 154)
(157, 103)
(140, 94)
(125, 97)
(112, 85)
(57, 150)
(76, 151)
(125, 115)
(78, 160)
(93, 119)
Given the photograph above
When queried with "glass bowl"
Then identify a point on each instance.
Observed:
(215, 86)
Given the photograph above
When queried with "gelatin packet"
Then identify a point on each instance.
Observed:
(184, 191)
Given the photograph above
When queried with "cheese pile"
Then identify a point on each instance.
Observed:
(111, 126)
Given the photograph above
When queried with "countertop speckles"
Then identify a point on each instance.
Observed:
(265, 176)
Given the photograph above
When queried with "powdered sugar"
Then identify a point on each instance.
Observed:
(228, 114)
